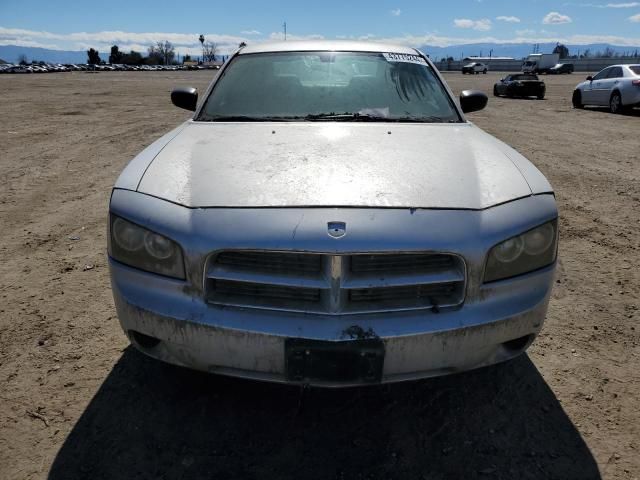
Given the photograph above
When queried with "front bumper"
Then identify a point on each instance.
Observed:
(251, 343)
(496, 322)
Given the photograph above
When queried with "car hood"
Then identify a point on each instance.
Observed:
(319, 164)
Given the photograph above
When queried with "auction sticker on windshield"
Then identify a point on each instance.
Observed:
(405, 58)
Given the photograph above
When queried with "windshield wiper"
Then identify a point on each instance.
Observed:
(363, 117)
(326, 117)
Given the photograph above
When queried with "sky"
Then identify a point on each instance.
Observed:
(131, 24)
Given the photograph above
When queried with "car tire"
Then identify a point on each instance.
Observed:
(541, 96)
(577, 99)
(484, 72)
(495, 91)
(615, 103)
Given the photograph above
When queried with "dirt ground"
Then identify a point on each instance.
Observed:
(77, 402)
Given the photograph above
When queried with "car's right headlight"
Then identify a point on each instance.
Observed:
(532, 250)
(138, 247)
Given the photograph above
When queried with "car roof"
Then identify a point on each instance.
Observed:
(330, 45)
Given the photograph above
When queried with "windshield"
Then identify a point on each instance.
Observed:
(524, 77)
(340, 86)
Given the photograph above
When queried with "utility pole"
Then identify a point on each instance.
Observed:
(284, 25)
(201, 38)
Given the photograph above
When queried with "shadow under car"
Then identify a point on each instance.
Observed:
(151, 420)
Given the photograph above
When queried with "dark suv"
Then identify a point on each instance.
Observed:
(561, 68)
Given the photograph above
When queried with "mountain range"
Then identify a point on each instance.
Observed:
(12, 53)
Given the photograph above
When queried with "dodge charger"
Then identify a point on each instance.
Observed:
(328, 216)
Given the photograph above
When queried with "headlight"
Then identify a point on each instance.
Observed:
(141, 248)
(525, 253)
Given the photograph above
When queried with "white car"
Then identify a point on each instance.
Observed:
(617, 87)
(475, 68)
(330, 217)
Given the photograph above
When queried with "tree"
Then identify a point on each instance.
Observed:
(162, 52)
(22, 59)
(186, 58)
(608, 52)
(116, 55)
(132, 58)
(209, 50)
(562, 50)
(93, 56)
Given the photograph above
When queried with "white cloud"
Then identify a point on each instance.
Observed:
(635, 18)
(278, 36)
(508, 19)
(188, 43)
(481, 25)
(527, 32)
(250, 32)
(396, 13)
(555, 18)
(184, 43)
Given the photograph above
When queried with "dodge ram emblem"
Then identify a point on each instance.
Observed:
(337, 229)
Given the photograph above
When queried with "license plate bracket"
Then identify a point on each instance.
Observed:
(352, 361)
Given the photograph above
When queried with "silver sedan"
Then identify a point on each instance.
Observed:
(329, 217)
(617, 87)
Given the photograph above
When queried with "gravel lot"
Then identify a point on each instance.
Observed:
(77, 402)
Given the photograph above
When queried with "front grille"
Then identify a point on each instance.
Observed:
(400, 262)
(433, 294)
(335, 284)
(261, 290)
(271, 261)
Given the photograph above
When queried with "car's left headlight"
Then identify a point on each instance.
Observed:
(138, 247)
(525, 253)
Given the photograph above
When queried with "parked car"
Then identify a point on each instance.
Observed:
(20, 69)
(475, 68)
(561, 68)
(617, 87)
(520, 85)
(308, 230)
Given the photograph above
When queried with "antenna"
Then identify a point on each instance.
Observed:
(284, 25)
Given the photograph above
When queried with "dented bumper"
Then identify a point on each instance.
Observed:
(185, 330)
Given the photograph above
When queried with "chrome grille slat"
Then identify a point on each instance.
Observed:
(273, 277)
(335, 284)
(403, 279)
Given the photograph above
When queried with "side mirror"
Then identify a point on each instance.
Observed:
(590, 78)
(472, 101)
(185, 97)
